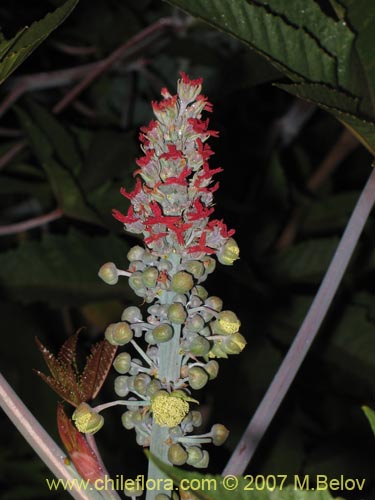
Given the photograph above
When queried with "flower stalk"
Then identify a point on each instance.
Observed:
(185, 329)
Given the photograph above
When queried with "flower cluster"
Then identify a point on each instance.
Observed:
(185, 329)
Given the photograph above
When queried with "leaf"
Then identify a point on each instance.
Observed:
(370, 414)
(291, 49)
(66, 189)
(82, 456)
(13, 52)
(66, 381)
(62, 269)
(304, 262)
(213, 487)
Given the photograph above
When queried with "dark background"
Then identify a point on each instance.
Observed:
(48, 281)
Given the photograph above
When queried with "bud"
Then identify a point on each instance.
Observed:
(233, 344)
(198, 346)
(219, 434)
(122, 363)
(135, 253)
(212, 368)
(203, 463)
(86, 419)
(150, 276)
(200, 291)
(177, 454)
(133, 489)
(131, 314)
(121, 386)
(209, 264)
(127, 419)
(195, 323)
(217, 350)
(153, 387)
(177, 313)
(182, 282)
(198, 378)
(227, 323)
(108, 273)
(141, 382)
(162, 333)
(195, 267)
(136, 281)
(195, 455)
(121, 333)
(214, 303)
(229, 252)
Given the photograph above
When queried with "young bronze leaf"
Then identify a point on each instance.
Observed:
(68, 351)
(97, 367)
(65, 392)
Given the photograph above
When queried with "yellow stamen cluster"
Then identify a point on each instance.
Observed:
(168, 411)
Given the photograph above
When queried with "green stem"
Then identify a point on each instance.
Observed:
(169, 373)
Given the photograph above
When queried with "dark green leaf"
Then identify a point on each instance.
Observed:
(62, 269)
(13, 52)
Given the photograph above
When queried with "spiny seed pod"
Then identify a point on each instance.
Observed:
(177, 313)
(219, 434)
(109, 273)
(195, 323)
(198, 346)
(195, 455)
(141, 382)
(182, 282)
(210, 264)
(195, 267)
(214, 303)
(86, 419)
(127, 419)
(150, 276)
(177, 455)
(203, 463)
(212, 368)
(229, 252)
(200, 291)
(121, 386)
(122, 333)
(122, 363)
(227, 323)
(131, 314)
(198, 378)
(135, 253)
(233, 344)
(162, 333)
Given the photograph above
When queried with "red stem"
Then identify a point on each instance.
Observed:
(306, 335)
(19, 227)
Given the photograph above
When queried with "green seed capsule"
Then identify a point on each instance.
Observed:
(108, 273)
(122, 363)
(131, 314)
(195, 455)
(234, 344)
(212, 368)
(135, 253)
(122, 333)
(177, 313)
(182, 282)
(229, 252)
(177, 454)
(199, 346)
(198, 378)
(219, 434)
(195, 267)
(162, 333)
(150, 276)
